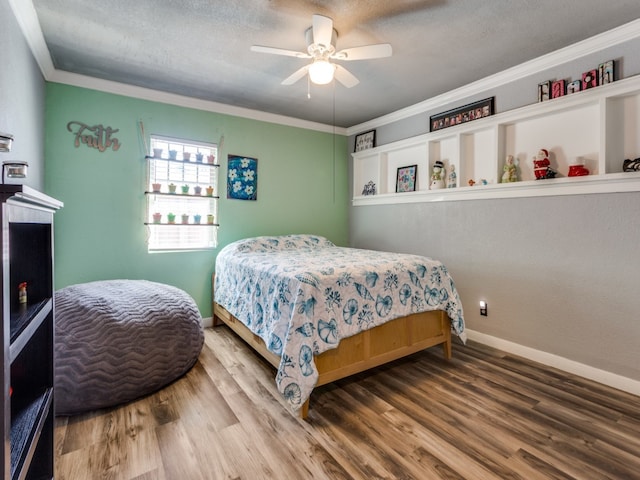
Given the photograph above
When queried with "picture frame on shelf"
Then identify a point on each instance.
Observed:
(464, 114)
(406, 179)
(606, 72)
(589, 79)
(574, 87)
(558, 88)
(365, 141)
(544, 91)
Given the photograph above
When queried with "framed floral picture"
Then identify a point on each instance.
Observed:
(242, 178)
(406, 179)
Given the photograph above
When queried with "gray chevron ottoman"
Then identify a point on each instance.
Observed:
(118, 340)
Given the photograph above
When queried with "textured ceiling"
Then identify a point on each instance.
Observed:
(200, 48)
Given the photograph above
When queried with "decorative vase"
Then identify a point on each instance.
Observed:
(185, 218)
(185, 189)
(210, 191)
(199, 157)
(173, 154)
(156, 187)
(157, 152)
(186, 156)
(157, 218)
(197, 189)
(172, 218)
(172, 188)
(197, 218)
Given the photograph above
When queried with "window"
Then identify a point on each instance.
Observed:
(182, 195)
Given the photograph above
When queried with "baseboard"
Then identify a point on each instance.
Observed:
(207, 322)
(601, 376)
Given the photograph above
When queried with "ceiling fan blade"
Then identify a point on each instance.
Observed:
(378, 50)
(322, 30)
(279, 51)
(345, 77)
(295, 76)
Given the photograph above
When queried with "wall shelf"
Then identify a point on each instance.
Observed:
(596, 127)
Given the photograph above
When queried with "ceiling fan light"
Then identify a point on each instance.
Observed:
(321, 72)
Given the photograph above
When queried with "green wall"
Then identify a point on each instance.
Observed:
(99, 234)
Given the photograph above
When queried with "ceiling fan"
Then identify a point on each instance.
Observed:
(321, 40)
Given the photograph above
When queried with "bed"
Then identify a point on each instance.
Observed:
(319, 312)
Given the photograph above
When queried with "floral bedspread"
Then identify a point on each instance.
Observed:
(302, 294)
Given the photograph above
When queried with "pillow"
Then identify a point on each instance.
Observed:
(274, 243)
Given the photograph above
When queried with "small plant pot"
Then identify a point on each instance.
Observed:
(157, 217)
(197, 218)
(186, 156)
(172, 188)
(173, 154)
(211, 158)
(156, 187)
(185, 189)
(199, 157)
(185, 219)
(209, 191)
(197, 190)
(171, 218)
(157, 152)
(211, 219)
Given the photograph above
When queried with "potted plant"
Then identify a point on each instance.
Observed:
(185, 218)
(185, 189)
(197, 218)
(173, 154)
(172, 218)
(210, 219)
(156, 187)
(199, 157)
(157, 217)
(211, 158)
(157, 152)
(210, 191)
(186, 156)
(197, 189)
(172, 188)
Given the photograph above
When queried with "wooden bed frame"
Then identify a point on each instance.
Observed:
(382, 344)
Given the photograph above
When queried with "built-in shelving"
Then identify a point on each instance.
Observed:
(595, 127)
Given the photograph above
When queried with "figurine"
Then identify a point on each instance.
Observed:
(452, 178)
(369, 188)
(631, 165)
(472, 182)
(577, 170)
(509, 170)
(436, 177)
(541, 165)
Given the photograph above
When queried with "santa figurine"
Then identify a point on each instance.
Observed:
(542, 165)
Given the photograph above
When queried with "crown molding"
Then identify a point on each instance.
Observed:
(117, 88)
(624, 33)
(27, 19)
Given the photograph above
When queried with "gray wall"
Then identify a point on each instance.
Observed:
(22, 96)
(559, 274)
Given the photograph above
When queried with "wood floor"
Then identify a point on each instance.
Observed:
(483, 415)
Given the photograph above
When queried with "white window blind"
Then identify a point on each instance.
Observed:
(182, 195)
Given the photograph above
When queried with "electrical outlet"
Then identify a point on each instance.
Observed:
(483, 308)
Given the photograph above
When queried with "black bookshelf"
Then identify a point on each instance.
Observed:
(28, 331)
